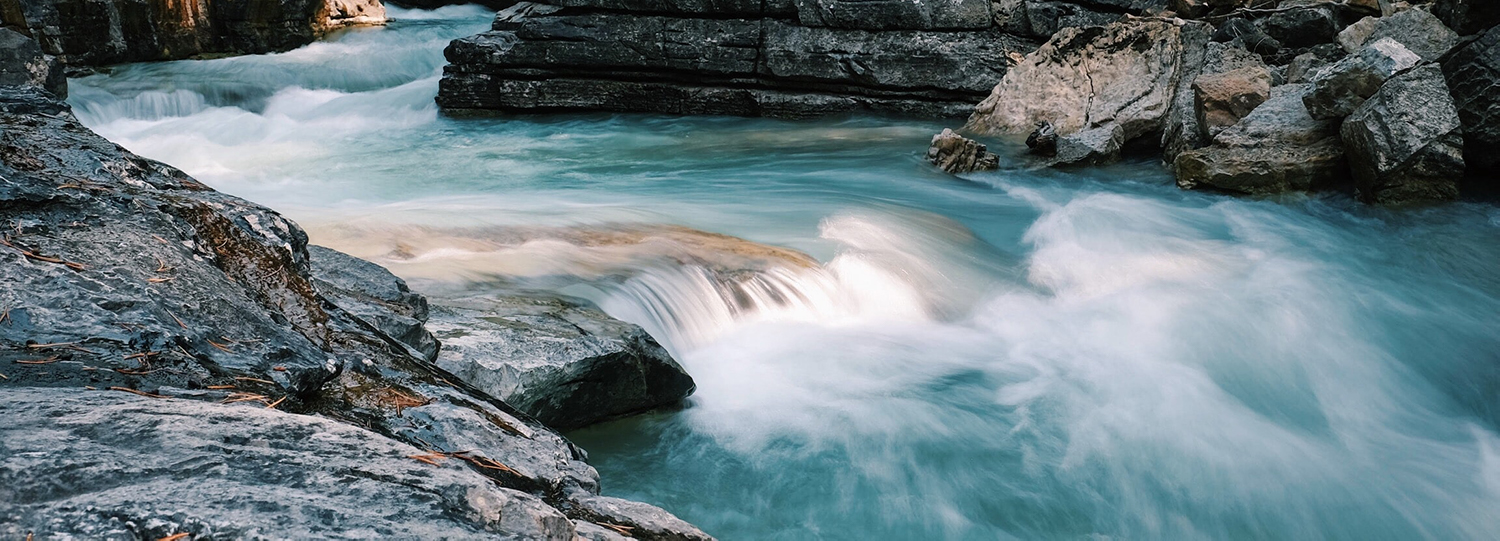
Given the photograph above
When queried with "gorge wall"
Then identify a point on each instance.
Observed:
(779, 58)
(102, 32)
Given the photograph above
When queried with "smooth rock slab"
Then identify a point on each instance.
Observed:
(112, 465)
(1405, 143)
(563, 363)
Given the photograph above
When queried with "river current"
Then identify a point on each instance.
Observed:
(1083, 354)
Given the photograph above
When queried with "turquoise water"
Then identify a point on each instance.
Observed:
(1020, 354)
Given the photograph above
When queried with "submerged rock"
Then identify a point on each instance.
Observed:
(566, 364)
(1473, 75)
(1405, 143)
(1278, 147)
(956, 154)
(109, 32)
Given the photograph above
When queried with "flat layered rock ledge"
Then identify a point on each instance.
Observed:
(775, 58)
(174, 360)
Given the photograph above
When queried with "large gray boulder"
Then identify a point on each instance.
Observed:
(1278, 147)
(1340, 88)
(1468, 16)
(23, 64)
(1124, 75)
(1473, 75)
(1416, 29)
(115, 465)
(1405, 143)
(566, 364)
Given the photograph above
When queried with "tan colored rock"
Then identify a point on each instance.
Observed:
(956, 154)
(1278, 147)
(1354, 36)
(341, 13)
(1222, 99)
(1125, 74)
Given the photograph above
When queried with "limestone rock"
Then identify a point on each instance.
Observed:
(109, 464)
(23, 64)
(1278, 147)
(646, 522)
(565, 364)
(1093, 146)
(1405, 143)
(1342, 87)
(1417, 29)
(1183, 131)
(1473, 75)
(1123, 74)
(1222, 99)
(375, 296)
(957, 154)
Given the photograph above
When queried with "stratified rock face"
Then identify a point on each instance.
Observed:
(23, 64)
(727, 58)
(957, 154)
(1278, 147)
(375, 296)
(123, 273)
(114, 465)
(1123, 75)
(1405, 143)
(113, 31)
(1473, 75)
(565, 364)
(1342, 87)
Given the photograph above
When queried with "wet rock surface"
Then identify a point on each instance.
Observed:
(127, 278)
(23, 64)
(110, 32)
(1473, 77)
(566, 364)
(1277, 147)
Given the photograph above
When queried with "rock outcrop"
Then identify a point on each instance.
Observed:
(375, 296)
(1121, 76)
(1473, 75)
(143, 310)
(957, 154)
(1406, 143)
(745, 58)
(566, 364)
(94, 33)
(23, 64)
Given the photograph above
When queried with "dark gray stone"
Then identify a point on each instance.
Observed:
(1468, 16)
(1301, 23)
(23, 64)
(1340, 88)
(647, 522)
(375, 296)
(1473, 75)
(1418, 30)
(895, 14)
(566, 364)
(1246, 34)
(1405, 143)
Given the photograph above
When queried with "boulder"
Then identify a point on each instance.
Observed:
(1125, 74)
(1473, 75)
(114, 465)
(1222, 99)
(375, 297)
(957, 154)
(1093, 146)
(1468, 16)
(1302, 23)
(1247, 35)
(1340, 88)
(1405, 143)
(109, 32)
(1044, 18)
(1043, 140)
(565, 364)
(1417, 29)
(23, 64)
(1278, 147)
(1303, 68)
(1183, 130)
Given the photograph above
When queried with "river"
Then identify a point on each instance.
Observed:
(1080, 354)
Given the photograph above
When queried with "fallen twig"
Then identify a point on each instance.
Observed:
(139, 355)
(273, 405)
(218, 345)
(160, 280)
(33, 255)
(133, 391)
(244, 397)
(624, 530)
(48, 360)
(256, 380)
(434, 459)
(219, 387)
(174, 537)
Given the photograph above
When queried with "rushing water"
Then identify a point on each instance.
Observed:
(1024, 354)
